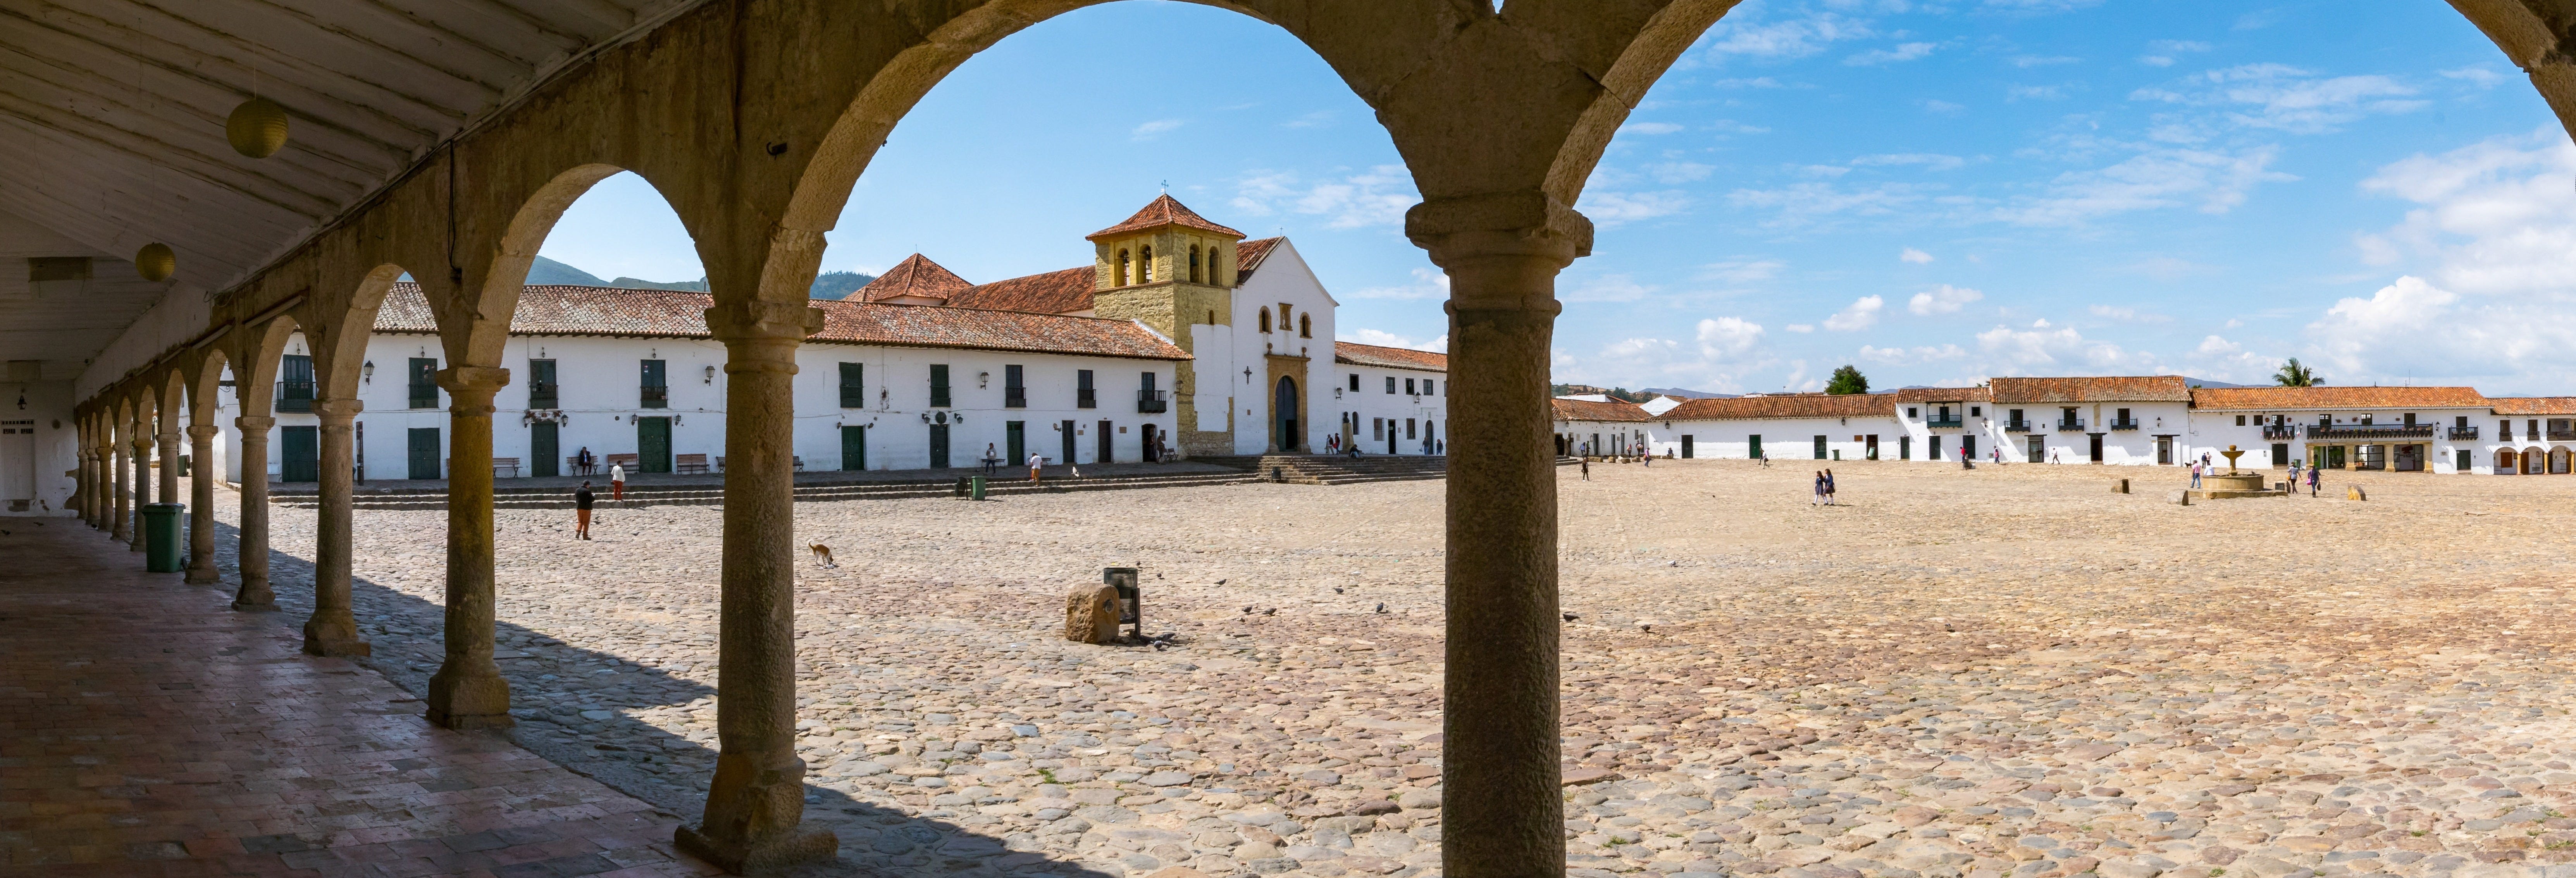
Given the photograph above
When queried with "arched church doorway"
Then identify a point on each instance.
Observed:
(1284, 403)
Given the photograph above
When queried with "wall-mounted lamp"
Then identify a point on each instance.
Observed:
(367, 372)
(983, 378)
(22, 400)
(959, 417)
(925, 417)
(678, 420)
(711, 374)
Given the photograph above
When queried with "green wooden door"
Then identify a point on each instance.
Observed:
(854, 448)
(1756, 447)
(545, 450)
(653, 444)
(300, 450)
(1018, 435)
(1067, 429)
(424, 453)
(939, 445)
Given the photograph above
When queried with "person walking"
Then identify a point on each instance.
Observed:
(1819, 498)
(582, 499)
(2195, 475)
(1584, 464)
(1035, 461)
(1829, 487)
(2312, 480)
(617, 482)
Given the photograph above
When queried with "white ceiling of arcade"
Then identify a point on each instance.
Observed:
(112, 129)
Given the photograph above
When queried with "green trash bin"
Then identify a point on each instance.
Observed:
(977, 492)
(161, 552)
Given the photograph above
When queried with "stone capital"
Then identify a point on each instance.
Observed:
(171, 435)
(745, 321)
(337, 410)
(1527, 222)
(255, 423)
(470, 388)
(204, 431)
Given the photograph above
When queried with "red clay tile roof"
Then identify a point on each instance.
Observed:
(1787, 405)
(1055, 292)
(1163, 211)
(1587, 410)
(603, 311)
(1944, 394)
(916, 275)
(2139, 388)
(2533, 405)
(1392, 358)
(1249, 254)
(2276, 398)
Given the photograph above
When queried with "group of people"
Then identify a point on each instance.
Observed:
(1824, 488)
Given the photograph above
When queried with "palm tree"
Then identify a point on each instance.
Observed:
(2294, 375)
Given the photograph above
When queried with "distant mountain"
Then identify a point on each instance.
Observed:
(1678, 393)
(828, 285)
(2216, 385)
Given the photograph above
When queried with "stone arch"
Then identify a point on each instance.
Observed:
(257, 350)
(475, 327)
(170, 388)
(336, 335)
(206, 383)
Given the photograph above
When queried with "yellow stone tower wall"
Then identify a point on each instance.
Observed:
(1170, 303)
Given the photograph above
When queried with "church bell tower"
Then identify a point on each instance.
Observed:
(1172, 270)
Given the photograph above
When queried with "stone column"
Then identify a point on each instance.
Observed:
(255, 595)
(88, 488)
(468, 692)
(122, 529)
(142, 488)
(1499, 765)
(169, 451)
(332, 630)
(757, 801)
(201, 505)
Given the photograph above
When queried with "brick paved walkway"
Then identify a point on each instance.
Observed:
(147, 729)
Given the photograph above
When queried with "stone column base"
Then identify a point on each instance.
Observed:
(780, 852)
(334, 640)
(465, 700)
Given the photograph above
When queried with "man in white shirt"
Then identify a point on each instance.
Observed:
(1035, 461)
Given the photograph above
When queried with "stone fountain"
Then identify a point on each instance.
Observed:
(2235, 484)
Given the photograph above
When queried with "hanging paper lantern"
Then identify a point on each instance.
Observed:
(155, 262)
(257, 128)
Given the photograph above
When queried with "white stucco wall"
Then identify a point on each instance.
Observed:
(1283, 277)
(1379, 415)
(32, 468)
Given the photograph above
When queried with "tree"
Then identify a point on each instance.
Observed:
(1847, 380)
(2294, 375)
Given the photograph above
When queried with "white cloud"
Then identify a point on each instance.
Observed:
(1799, 204)
(1614, 208)
(1378, 196)
(1902, 53)
(1153, 129)
(1678, 172)
(1943, 299)
(2493, 218)
(1609, 288)
(1738, 36)
(1900, 356)
(2041, 5)
(2211, 181)
(2126, 314)
(2412, 330)
(2222, 360)
(1717, 356)
(1914, 256)
(1731, 126)
(1939, 106)
(2285, 98)
(1316, 119)
(1928, 160)
(1427, 283)
(2029, 61)
(1649, 128)
(1385, 339)
(2178, 46)
(1861, 314)
(1752, 82)
(2156, 60)
(2043, 349)
(2035, 93)
(1800, 327)
(1742, 271)
(2477, 75)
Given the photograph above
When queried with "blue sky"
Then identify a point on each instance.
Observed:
(1937, 192)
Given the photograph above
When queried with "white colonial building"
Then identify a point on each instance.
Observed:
(919, 370)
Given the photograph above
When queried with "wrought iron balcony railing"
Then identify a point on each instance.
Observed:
(2017, 426)
(1944, 423)
(1015, 397)
(2070, 425)
(2128, 424)
(1150, 402)
(2280, 432)
(2327, 432)
(2462, 434)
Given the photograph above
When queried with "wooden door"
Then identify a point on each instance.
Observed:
(1686, 445)
(545, 448)
(1107, 451)
(653, 445)
(424, 453)
(939, 445)
(1015, 434)
(18, 463)
(299, 454)
(1066, 430)
(2096, 446)
(854, 448)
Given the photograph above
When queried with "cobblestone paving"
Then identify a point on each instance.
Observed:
(2010, 671)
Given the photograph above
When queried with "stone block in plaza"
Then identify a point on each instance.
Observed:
(2120, 486)
(1091, 614)
(2355, 493)
(2181, 497)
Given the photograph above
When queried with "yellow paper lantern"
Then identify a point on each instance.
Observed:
(257, 128)
(155, 262)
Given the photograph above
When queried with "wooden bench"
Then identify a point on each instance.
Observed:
(632, 462)
(501, 463)
(691, 463)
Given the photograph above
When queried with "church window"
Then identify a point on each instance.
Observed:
(1145, 264)
(1215, 276)
(1265, 318)
(1122, 268)
(1390, 384)
(1194, 264)
(1305, 326)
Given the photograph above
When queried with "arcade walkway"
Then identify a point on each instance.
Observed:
(147, 729)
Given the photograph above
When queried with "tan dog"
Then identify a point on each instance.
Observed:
(823, 556)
